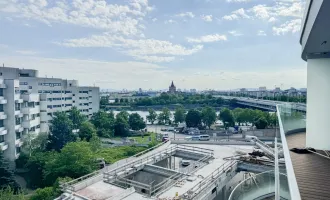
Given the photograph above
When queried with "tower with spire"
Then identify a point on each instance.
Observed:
(172, 89)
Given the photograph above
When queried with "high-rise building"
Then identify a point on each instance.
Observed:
(28, 102)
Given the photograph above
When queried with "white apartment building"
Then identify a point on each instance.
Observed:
(27, 104)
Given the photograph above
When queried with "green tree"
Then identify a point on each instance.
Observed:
(60, 132)
(209, 116)
(121, 126)
(95, 143)
(76, 159)
(46, 193)
(7, 178)
(9, 194)
(36, 165)
(261, 123)
(116, 100)
(76, 117)
(238, 115)
(32, 144)
(104, 123)
(193, 118)
(165, 116)
(179, 115)
(104, 100)
(123, 114)
(152, 116)
(86, 131)
(227, 117)
(136, 122)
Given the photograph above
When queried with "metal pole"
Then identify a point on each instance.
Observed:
(277, 175)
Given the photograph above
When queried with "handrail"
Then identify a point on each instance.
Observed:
(203, 184)
(293, 186)
(244, 181)
(99, 172)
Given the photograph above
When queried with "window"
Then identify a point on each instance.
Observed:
(37, 103)
(49, 114)
(30, 87)
(18, 150)
(73, 101)
(1, 123)
(38, 126)
(49, 106)
(39, 91)
(73, 95)
(2, 138)
(49, 99)
(18, 135)
(17, 121)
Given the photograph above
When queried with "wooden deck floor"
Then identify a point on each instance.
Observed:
(312, 171)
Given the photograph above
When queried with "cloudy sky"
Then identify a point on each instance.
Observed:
(202, 44)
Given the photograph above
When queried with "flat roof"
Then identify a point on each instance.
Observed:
(220, 152)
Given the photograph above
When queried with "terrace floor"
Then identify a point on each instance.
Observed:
(311, 170)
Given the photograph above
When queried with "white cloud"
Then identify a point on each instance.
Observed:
(235, 33)
(272, 19)
(98, 14)
(186, 14)
(154, 19)
(142, 49)
(261, 33)
(280, 9)
(291, 26)
(170, 21)
(171, 36)
(207, 38)
(207, 18)
(26, 52)
(237, 14)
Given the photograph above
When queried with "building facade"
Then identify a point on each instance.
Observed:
(172, 88)
(28, 102)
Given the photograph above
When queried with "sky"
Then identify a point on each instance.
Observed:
(131, 44)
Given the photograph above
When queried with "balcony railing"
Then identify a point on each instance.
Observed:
(289, 120)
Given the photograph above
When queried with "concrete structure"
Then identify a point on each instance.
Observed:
(27, 103)
(172, 88)
(315, 50)
(215, 168)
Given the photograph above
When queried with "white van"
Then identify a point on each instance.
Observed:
(204, 137)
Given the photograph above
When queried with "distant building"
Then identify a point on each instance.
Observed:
(172, 89)
(193, 91)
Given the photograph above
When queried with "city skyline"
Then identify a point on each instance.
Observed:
(137, 43)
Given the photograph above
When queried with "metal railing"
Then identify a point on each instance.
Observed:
(68, 186)
(293, 186)
(204, 184)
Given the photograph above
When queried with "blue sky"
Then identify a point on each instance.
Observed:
(203, 44)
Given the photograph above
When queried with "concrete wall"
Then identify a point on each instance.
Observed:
(318, 109)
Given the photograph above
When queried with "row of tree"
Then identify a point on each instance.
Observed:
(207, 116)
(108, 125)
(167, 99)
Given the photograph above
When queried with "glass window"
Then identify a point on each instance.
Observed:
(2, 138)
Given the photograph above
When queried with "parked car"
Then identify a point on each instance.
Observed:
(204, 137)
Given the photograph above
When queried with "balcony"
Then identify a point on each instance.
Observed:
(30, 97)
(31, 110)
(18, 143)
(2, 85)
(3, 115)
(3, 100)
(31, 123)
(3, 131)
(18, 128)
(3, 146)
(17, 97)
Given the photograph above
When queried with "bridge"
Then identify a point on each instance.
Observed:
(266, 104)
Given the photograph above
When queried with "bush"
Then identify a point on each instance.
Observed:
(22, 160)
(46, 193)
